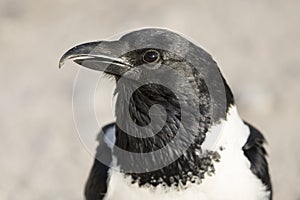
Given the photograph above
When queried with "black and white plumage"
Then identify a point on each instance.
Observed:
(230, 164)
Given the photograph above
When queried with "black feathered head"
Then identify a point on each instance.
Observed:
(169, 93)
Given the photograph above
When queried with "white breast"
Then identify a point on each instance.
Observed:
(233, 179)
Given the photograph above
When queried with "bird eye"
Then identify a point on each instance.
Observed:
(151, 56)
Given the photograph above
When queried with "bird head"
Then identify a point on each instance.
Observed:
(166, 87)
(158, 54)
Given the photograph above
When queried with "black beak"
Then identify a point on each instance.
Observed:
(101, 56)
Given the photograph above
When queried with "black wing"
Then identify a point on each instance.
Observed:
(96, 186)
(255, 152)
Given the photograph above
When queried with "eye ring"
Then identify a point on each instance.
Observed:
(151, 56)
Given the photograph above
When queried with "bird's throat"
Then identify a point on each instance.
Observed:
(189, 165)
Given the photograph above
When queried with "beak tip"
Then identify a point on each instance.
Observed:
(62, 60)
(61, 63)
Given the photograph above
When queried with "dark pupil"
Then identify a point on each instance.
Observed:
(151, 56)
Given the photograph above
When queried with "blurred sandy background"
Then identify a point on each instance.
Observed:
(257, 46)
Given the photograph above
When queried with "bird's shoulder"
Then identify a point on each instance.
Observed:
(96, 185)
(256, 153)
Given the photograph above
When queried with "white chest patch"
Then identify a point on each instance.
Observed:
(232, 180)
